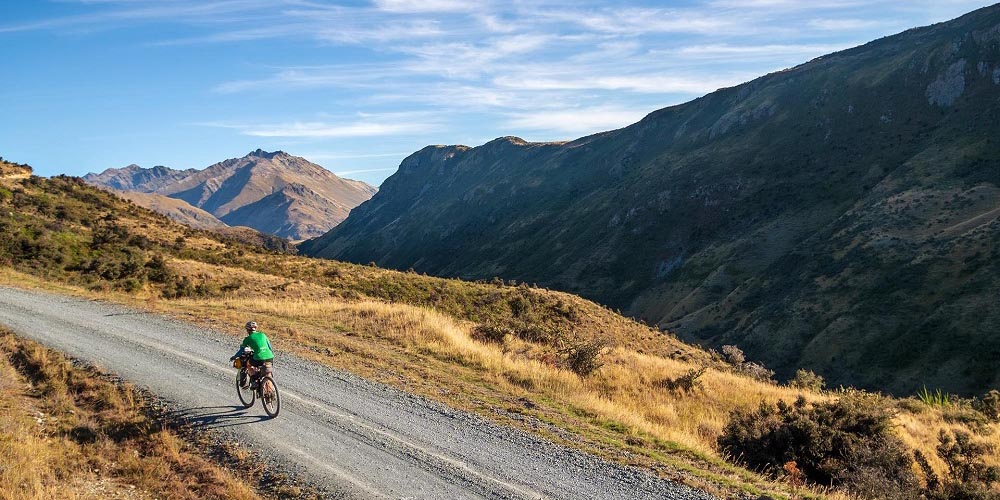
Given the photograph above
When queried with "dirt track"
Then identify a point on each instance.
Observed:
(352, 437)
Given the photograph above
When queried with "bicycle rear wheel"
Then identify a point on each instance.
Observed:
(269, 396)
(247, 395)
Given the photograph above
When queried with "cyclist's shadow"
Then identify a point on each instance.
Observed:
(216, 417)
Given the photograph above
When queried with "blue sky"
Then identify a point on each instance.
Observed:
(358, 85)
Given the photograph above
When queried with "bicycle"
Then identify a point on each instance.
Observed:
(250, 387)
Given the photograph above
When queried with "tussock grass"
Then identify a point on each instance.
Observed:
(417, 333)
(66, 433)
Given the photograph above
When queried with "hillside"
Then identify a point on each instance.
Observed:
(275, 193)
(545, 362)
(178, 210)
(842, 215)
(73, 432)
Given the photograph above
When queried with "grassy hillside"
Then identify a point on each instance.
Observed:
(68, 432)
(547, 362)
(842, 215)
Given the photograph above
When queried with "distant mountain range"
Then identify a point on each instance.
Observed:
(275, 193)
(842, 215)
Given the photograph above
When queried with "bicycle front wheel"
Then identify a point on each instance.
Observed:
(269, 397)
(246, 394)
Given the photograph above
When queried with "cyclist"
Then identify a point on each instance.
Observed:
(257, 341)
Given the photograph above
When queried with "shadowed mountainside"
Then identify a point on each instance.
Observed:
(842, 215)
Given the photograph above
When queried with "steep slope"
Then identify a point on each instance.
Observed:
(136, 178)
(178, 210)
(517, 355)
(842, 215)
(276, 193)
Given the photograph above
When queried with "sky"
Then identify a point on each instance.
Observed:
(356, 86)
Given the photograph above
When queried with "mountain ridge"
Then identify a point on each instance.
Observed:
(830, 216)
(314, 198)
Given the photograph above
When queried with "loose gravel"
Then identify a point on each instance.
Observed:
(348, 436)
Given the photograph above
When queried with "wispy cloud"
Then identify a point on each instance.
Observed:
(845, 24)
(367, 126)
(461, 70)
(365, 171)
(576, 121)
(421, 6)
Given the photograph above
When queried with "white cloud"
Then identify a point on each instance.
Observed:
(844, 24)
(366, 170)
(769, 50)
(635, 21)
(576, 121)
(326, 130)
(422, 6)
(653, 84)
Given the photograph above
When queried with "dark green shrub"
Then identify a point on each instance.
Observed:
(535, 332)
(492, 333)
(847, 443)
(968, 477)
(157, 270)
(989, 405)
(806, 379)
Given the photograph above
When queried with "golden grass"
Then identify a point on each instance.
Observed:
(621, 407)
(620, 412)
(64, 433)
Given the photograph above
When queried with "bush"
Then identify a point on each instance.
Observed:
(968, 478)
(582, 358)
(733, 355)
(756, 371)
(847, 443)
(806, 379)
(493, 333)
(989, 405)
(688, 382)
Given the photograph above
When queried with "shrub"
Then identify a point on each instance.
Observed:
(158, 271)
(535, 332)
(688, 382)
(733, 355)
(492, 333)
(847, 443)
(968, 477)
(806, 379)
(582, 358)
(756, 371)
(989, 405)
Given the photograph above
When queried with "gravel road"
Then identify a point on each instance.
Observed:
(352, 437)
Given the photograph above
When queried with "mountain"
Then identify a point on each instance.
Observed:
(178, 210)
(842, 215)
(275, 193)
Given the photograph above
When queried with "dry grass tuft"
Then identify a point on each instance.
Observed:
(67, 433)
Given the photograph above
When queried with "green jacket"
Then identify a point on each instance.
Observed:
(260, 345)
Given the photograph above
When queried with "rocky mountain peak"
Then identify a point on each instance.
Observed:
(260, 153)
(273, 192)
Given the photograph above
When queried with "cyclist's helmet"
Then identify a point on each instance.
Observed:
(251, 326)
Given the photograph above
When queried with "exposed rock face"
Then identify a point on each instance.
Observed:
(841, 216)
(949, 85)
(273, 192)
